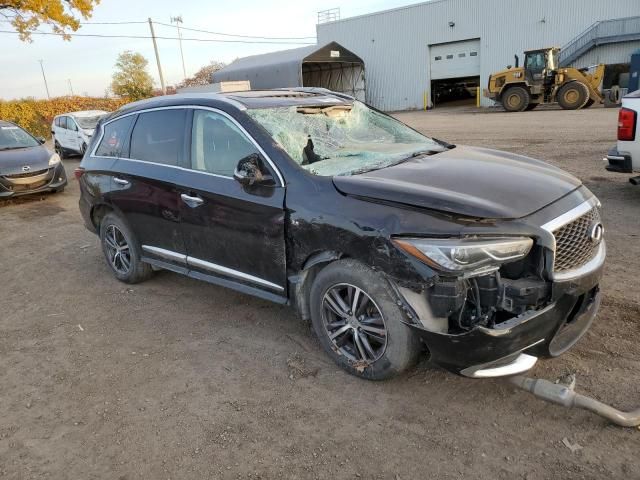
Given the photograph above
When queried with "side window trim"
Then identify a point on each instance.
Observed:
(185, 161)
(126, 154)
(272, 165)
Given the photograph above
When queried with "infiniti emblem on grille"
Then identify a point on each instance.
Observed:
(595, 232)
(26, 168)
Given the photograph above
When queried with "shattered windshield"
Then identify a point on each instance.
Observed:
(13, 137)
(88, 123)
(342, 139)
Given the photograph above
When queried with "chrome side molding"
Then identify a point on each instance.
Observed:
(212, 267)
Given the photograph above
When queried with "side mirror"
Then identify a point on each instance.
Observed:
(249, 172)
(41, 140)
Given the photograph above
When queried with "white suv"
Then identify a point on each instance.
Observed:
(72, 132)
(625, 156)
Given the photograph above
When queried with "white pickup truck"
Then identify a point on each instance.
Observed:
(625, 156)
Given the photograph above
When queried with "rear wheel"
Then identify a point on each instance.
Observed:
(121, 251)
(83, 149)
(359, 324)
(573, 96)
(516, 99)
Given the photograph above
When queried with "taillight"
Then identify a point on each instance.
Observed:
(627, 125)
(78, 172)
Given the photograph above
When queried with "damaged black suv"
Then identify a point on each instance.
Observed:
(391, 242)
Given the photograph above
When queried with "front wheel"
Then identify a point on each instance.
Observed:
(359, 324)
(59, 150)
(121, 251)
(573, 95)
(516, 99)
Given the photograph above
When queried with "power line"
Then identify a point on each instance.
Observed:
(191, 30)
(136, 37)
(234, 35)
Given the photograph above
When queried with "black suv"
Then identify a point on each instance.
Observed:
(389, 241)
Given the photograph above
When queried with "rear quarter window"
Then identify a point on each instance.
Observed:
(114, 141)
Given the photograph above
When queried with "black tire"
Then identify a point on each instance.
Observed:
(573, 95)
(83, 149)
(59, 150)
(401, 347)
(515, 99)
(132, 270)
(531, 106)
(589, 103)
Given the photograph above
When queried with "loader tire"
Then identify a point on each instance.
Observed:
(573, 95)
(515, 99)
(590, 102)
(531, 106)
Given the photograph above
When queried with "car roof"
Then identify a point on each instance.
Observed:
(244, 100)
(83, 113)
(5, 123)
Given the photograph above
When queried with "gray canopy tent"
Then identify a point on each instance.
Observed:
(331, 66)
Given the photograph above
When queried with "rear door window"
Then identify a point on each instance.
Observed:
(115, 140)
(63, 122)
(217, 144)
(158, 136)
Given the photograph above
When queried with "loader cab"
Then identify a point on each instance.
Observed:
(539, 64)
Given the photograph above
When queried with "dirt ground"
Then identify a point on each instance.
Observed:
(176, 379)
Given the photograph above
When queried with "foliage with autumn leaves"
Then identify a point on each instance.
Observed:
(36, 116)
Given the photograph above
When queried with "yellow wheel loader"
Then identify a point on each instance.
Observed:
(542, 80)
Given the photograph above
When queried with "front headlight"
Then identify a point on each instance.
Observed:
(465, 255)
(54, 160)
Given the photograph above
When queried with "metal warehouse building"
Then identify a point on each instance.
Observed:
(411, 50)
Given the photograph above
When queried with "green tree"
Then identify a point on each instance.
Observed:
(131, 78)
(202, 76)
(61, 15)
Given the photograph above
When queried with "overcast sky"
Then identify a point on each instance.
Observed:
(88, 62)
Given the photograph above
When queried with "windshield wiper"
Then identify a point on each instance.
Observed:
(422, 153)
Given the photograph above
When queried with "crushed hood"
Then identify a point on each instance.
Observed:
(467, 181)
(12, 161)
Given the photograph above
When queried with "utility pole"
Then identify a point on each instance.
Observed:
(45, 80)
(155, 48)
(178, 21)
(70, 86)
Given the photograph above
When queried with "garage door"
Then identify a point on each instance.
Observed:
(455, 60)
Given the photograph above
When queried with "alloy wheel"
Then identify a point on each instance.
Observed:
(354, 323)
(117, 250)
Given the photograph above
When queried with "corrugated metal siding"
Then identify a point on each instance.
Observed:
(395, 44)
(612, 53)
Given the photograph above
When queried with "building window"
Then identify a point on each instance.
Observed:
(473, 54)
(449, 57)
(438, 58)
(462, 55)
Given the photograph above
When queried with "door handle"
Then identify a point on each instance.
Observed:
(193, 202)
(121, 181)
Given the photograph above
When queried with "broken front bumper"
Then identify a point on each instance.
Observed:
(513, 346)
(46, 180)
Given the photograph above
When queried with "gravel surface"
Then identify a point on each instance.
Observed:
(174, 378)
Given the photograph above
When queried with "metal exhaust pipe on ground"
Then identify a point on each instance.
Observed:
(565, 395)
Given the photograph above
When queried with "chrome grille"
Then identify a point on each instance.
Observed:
(574, 246)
